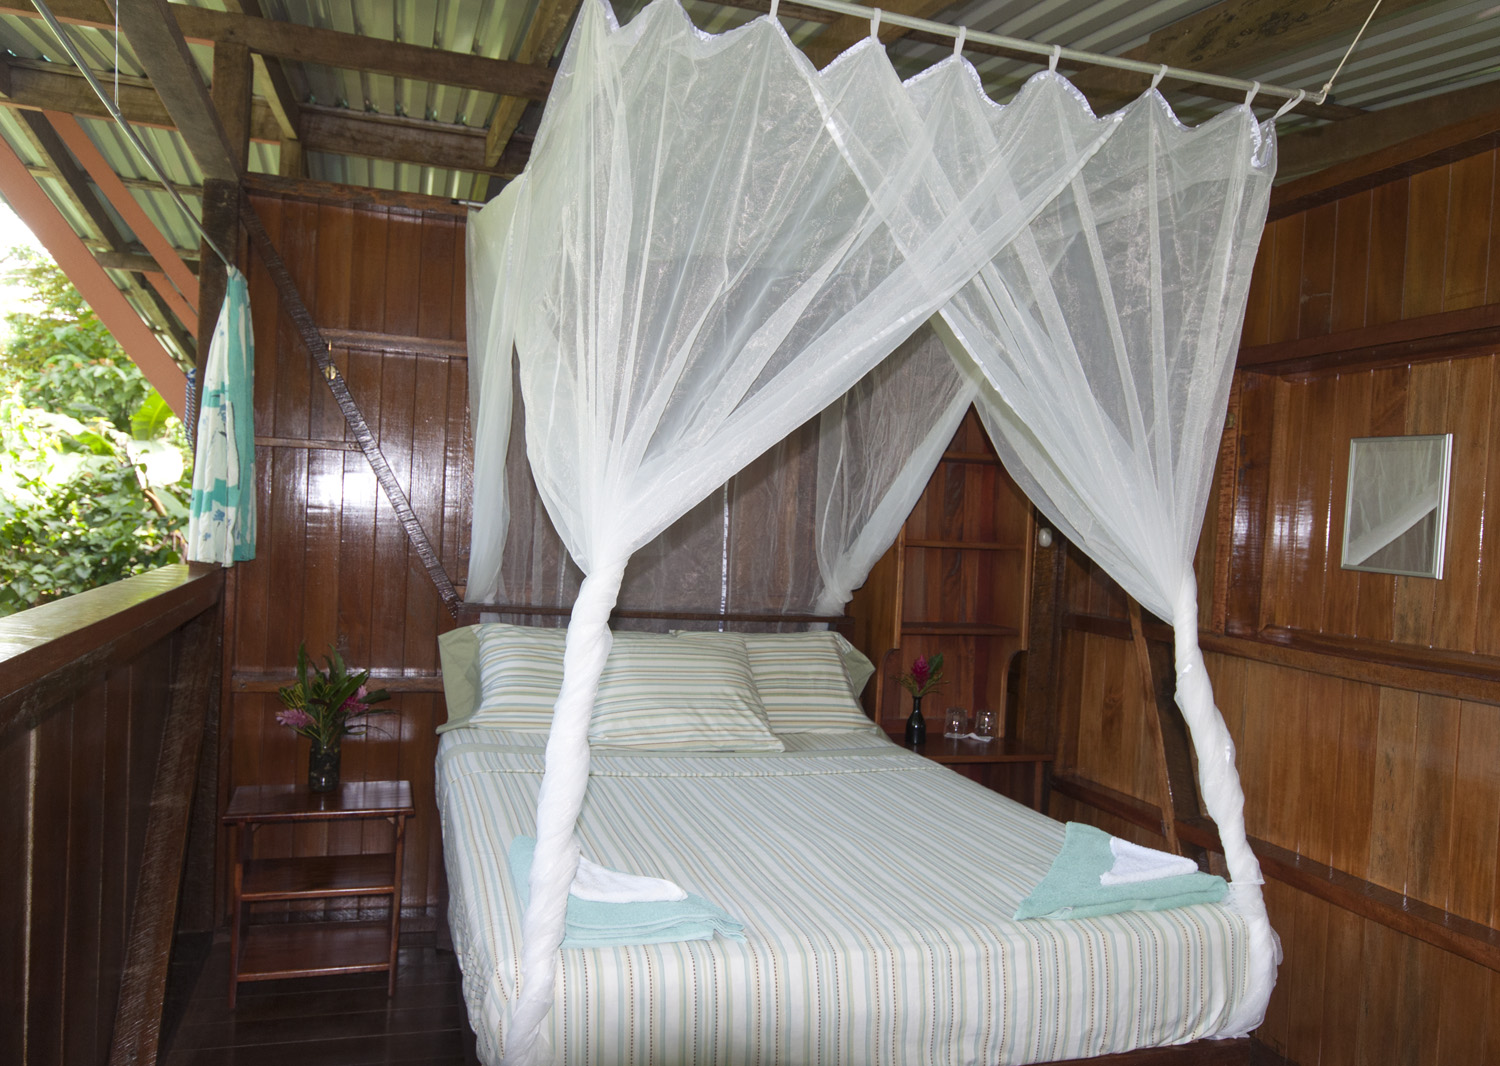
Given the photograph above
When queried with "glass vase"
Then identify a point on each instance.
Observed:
(916, 725)
(323, 766)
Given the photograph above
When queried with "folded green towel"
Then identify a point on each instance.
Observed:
(1072, 888)
(592, 924)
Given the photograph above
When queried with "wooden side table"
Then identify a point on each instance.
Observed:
(302, 949)
(980, 756)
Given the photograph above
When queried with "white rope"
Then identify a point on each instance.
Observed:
(1328, 85)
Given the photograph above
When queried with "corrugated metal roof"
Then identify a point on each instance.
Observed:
(1418, 52)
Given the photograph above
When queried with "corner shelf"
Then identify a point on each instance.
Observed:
(957, 580)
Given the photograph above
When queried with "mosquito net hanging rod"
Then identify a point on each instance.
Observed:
(1050, 50)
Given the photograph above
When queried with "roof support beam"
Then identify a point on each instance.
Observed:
(125, 204)
(43, 219)
(312, 44)
(157, 42)
(87, 199)
(57, 87)
(1237, 37)
(548, 24)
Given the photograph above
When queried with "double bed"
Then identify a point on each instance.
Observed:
(875, 888)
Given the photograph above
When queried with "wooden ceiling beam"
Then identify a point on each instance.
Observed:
(86, 199)
(42, 217)
(59, 87)
(1237, 37)
(1422, 125)
(271, 81)
(153, 34)
(548, 24)
(341, 131)
(312, 44)
(120, 198)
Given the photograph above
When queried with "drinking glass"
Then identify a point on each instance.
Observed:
(956, 724)
(985, 724)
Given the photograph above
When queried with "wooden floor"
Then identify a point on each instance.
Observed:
(324, 1021)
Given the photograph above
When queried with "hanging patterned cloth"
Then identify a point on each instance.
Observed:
(221, 524)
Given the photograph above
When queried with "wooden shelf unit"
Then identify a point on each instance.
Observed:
(956, 581)
(271, 951)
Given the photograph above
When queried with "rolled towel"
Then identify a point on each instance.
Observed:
(1134, 863)
(1073, 887)
(595, 924)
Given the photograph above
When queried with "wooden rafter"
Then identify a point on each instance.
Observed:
(41, 216)
(119, 197)
(74, 184)
(1237, 37)
(548, 24)
(312, 44)
(56, 87)
(159, 45)
(271, 81)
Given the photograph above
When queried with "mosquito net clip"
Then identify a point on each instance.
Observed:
(774, 5)
(1052, 63)
(1155, 81)
(958, 42)
(1254, 88)
(875, 22)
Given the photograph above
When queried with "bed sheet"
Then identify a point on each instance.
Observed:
(875, 887)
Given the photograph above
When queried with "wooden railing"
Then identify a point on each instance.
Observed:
(104, 698)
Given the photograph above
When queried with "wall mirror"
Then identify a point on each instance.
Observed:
(1396, 505)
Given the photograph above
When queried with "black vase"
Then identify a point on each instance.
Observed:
(323, 766)
(916, 725)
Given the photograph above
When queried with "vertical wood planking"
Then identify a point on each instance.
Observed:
(1351, 263)
(334, 564)
(1466, 264)
(1388, 251)
(1315, 314)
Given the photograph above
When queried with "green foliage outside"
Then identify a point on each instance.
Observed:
(95, 474)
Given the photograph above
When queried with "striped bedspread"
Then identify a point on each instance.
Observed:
(875, 888)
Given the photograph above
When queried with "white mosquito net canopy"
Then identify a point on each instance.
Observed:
(715, 245)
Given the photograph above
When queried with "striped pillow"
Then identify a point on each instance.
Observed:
(692, 692)
(655, 692)
(520, 673)
(804, 680)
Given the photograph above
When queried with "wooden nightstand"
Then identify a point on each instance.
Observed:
(303, 949)
(981, 761)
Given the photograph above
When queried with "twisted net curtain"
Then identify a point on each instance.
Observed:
(715, 245)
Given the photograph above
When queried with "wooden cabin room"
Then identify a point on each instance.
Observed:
(179, 895)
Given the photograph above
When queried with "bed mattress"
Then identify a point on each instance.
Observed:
(876, 889)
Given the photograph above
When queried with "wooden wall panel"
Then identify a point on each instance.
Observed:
(1396, 786)
(334, 567)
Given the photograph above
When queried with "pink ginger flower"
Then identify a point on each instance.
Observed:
(294, 718)
(920, 671)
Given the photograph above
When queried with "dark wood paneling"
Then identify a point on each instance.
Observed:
(1365, 708)
(334, 567)
(95, 676)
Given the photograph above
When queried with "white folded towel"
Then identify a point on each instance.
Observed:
(1134, 863)
(603, 885)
